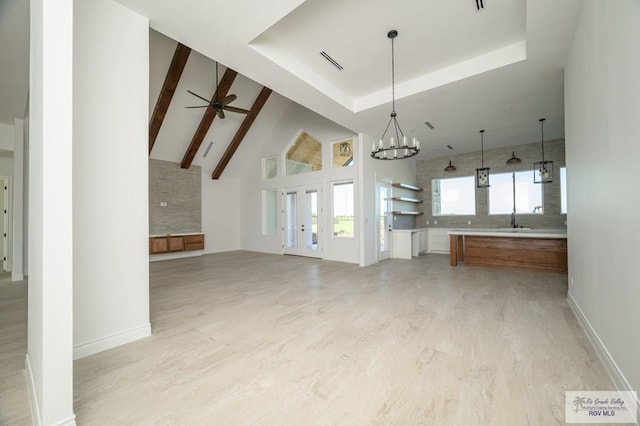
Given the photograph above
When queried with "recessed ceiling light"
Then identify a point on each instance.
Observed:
(429, 125)
(450, 147)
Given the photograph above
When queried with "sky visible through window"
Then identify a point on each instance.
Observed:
(528, 194)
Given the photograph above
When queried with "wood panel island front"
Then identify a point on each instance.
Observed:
(522, 249)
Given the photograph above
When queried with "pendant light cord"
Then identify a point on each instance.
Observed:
(393, 79)
(482, 147)
(542, 141)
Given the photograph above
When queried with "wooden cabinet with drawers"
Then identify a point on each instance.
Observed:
(175, 243)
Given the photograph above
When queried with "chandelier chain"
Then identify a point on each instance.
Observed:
(393, 79)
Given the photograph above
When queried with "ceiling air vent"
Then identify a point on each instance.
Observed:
(331, 60)
(479, 5)
(429, 125)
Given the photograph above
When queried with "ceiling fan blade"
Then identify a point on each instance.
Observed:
(204, 106)
(228, 99)
(238, 110)
(220, 113)
(198, 96)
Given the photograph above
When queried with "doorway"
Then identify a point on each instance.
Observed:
(383, 219)
(302, 219)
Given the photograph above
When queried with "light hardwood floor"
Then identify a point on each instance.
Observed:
(248, 338)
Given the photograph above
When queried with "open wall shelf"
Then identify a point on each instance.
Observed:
(407, 186)
(406, 199)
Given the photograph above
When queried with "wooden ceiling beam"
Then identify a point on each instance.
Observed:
(174, 73)
(207, 119)
(242, 132)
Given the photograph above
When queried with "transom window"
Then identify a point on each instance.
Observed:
(305, 155)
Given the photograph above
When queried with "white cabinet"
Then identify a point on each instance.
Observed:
(439, 240)
(409, 243)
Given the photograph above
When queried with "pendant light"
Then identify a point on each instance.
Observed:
(398, 147)
(450, 167)
(542, 170)
(482, 174)
(513, 159)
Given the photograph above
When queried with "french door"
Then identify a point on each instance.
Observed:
(302, 221)
(383, 219)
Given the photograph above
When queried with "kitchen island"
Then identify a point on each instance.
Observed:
(540, 250)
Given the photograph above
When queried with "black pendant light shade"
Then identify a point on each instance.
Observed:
(542, 170)
(513, 159)
(482, 174)
(450, 167)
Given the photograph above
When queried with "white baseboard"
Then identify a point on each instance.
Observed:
(107, 342)
(71, 421)
(176, 255)
(33, 398)
(619, 380)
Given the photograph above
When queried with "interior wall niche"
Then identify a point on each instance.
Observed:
(175, 204)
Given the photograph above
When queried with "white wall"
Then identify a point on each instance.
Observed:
(392, 171)
(6, 136)
(221, 214)
(602, 103)
(278, 125)
(110, 159)
(49, 364)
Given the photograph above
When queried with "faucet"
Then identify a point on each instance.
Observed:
(514, 224)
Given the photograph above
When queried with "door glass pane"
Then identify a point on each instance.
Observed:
(382, 220)
(292, 227)
(311, 219)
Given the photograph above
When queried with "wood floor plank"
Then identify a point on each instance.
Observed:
(250, 338)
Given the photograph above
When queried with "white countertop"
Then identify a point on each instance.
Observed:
(181, 234)
(410, 230)
(512, 232)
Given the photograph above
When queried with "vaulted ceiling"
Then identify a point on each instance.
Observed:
(500, 68)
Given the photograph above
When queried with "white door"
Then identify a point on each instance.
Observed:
(302, 219)
(383, 219)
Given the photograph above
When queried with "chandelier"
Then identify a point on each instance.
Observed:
(399, 147)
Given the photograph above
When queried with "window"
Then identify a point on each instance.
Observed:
(343, 219)
(563, 190)
(270, 168)
(305, 155)
(455, 196)
(528, 194)
(342, 153)
(270, 211)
